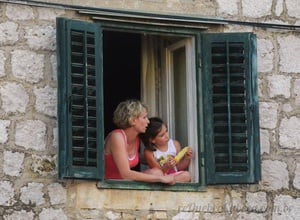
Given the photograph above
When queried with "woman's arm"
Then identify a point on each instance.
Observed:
(117, 148)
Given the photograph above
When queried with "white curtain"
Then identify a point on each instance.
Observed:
(148, 87)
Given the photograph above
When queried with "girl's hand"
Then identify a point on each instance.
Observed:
(170, 163)
(189, 154)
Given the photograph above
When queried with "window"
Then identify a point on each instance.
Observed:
(203, 85)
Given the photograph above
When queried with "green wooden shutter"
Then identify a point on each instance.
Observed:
(231, 124)
(80, 119)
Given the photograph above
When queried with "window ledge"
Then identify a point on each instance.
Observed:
(131, 185)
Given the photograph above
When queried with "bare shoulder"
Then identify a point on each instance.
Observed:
(177, 145)
(113, 140)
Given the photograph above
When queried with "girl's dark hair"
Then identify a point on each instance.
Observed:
(154, 127)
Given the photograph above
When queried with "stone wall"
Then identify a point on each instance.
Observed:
(29, 188)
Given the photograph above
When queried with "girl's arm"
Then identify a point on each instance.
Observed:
(185, 162)
(117, 148)
(150, 159)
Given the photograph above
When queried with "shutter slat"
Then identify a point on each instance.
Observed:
(82, 55)
(227, 84)
(81, 73)
(228, 92)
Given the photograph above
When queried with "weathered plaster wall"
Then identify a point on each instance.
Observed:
(29, 188)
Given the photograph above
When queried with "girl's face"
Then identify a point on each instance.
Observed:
(162, 137)
(140, 123)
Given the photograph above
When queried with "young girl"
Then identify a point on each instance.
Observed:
(121, 146)
(159, 147)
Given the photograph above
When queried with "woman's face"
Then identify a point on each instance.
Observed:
(141, 122)
(162, 137)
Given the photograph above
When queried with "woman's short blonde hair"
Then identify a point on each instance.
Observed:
(126, 111)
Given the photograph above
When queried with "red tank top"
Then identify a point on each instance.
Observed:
(111, 170)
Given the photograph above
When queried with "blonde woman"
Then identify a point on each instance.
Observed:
(122, 145)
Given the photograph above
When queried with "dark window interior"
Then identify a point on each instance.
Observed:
(121, 71)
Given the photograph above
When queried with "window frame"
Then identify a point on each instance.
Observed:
(113, 184)
(190, 124)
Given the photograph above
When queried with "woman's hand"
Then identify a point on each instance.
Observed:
(168, 179)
